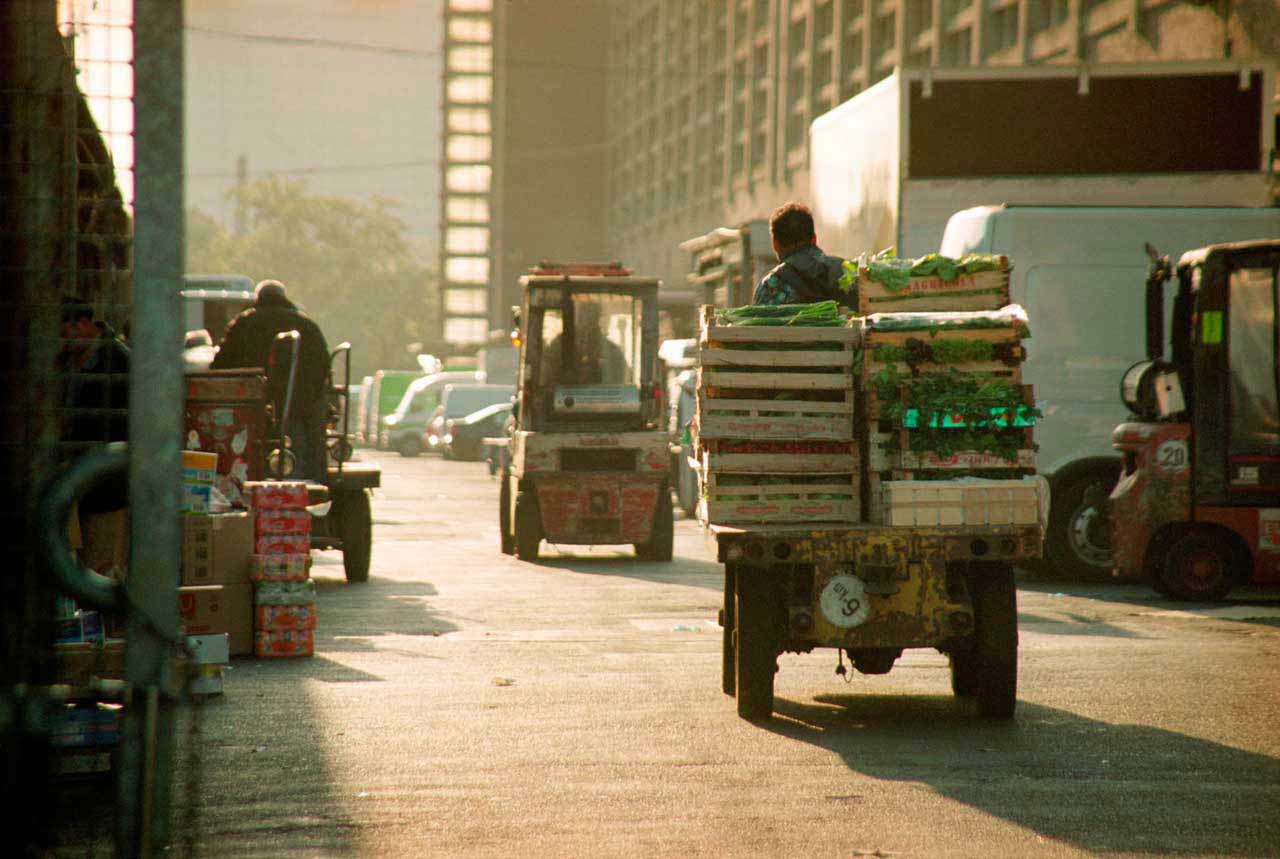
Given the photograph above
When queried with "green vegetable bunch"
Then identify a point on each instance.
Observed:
(956, 411)
(950, 350)
(887, 269)
(820, 313)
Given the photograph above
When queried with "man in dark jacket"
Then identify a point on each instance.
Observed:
(97, 364)
(804, 273)
(248, 342)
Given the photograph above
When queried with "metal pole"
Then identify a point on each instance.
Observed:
(155, 429)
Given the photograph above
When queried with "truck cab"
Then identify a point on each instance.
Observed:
(588, 453)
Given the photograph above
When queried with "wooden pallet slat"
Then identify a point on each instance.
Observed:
(984, 290)
(791, 426)
(779, 381)
(835, 358)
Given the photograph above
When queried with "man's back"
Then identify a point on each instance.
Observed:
(806, 275)
(249, 339)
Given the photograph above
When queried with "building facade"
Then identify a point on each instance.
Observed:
(625, 127)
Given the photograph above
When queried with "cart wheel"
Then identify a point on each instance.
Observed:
(528, 526)
(659, 548)
(504, 517)
(995, 652)
(1198, 566)
(409, 447)
(726, 620)
(355, 529)
(755, 643)
(964, 673)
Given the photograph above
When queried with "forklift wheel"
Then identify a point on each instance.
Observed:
(504, 518)
(755, 642)
(355, 528)
(727, 679)
(409, 447)
(1198, 567)
(995, 607)
(660, 547)
(964, 673)
(528, 526)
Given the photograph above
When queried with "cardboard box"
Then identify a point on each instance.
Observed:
(285, 642)
(279, 568)
(273, 521)
(276, 495)
(201, 610)
(199, 466)
(271, 618)
(238, 605)
(197, 498)
(282, 544)
(216, 549)
(211, 654)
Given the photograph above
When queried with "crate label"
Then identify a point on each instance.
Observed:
(844, 602)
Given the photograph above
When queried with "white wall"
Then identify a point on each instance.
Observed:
(335, 116)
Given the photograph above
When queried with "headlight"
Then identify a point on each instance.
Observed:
(391, 420)
(448, 438)
(432, 440)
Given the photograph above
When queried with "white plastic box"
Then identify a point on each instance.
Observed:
(932, 503)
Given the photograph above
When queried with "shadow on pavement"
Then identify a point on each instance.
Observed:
(1252, 604)
(693, 572)
(1102, 787)
(351, 616)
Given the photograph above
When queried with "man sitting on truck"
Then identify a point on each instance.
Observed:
(804, 274)
(248, 342)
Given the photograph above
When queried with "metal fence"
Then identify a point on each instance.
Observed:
(90, 262)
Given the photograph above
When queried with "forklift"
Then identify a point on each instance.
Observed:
(1197, 508)
(588, 460)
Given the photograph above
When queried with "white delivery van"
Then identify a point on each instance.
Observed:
(1079, 272)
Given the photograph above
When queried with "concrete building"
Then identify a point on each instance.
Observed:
(342, 93)
(702, 108)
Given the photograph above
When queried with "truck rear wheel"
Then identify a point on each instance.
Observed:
(528, 526)
(1079, 538)
(506, 538)
(964, 673)
(662, 540)
(755, 642)
(726, 621)
(1198, 567)
(995, 608)
(354, 519)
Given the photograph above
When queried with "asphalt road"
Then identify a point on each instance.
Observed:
(466, 704)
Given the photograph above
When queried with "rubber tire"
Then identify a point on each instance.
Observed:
(409, 448)
(661, 545)
(528, 526)
(964, 673)
(727, 661)
(354, 518)
(1180, 583)
(1067, 506)
(995, 609)
(508, 540)
(755, 643)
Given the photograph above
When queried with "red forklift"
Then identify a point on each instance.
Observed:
(1197, 507)
(588, 458)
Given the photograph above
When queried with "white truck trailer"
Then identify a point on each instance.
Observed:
(1070, 173)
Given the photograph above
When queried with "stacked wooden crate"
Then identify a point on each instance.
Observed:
(937, 331)
(775, 423)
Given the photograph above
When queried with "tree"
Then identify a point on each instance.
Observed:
(348, 263)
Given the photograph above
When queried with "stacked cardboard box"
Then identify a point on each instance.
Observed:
(285, 610)
(774, 424)
(216, 596)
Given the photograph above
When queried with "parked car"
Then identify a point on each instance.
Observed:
(464, 437)
(404, 427)
(458, 401)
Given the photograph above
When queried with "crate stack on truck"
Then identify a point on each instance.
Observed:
(863, 476)
(775, 422)
(944, 398)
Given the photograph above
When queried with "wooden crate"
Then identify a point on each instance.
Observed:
(726, 418)
(724, 456)
(901, 464)
(1007, 338)
(984, 290)
(835, 499)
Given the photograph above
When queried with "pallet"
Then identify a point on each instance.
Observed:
(985, 290)
(834, 501)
